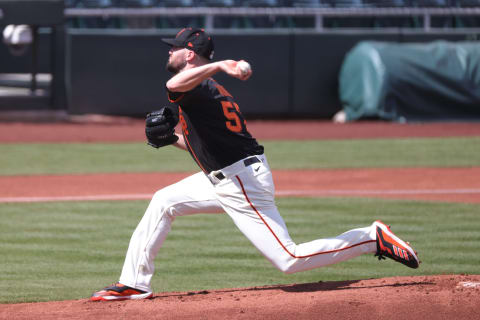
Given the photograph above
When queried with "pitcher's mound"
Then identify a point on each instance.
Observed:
(423, 297)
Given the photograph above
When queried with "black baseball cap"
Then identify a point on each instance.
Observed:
(193, 39)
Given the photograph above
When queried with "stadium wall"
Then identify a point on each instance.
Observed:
(295, 74)
(122, 72)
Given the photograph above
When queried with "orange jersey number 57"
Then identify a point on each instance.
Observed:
(231, 110)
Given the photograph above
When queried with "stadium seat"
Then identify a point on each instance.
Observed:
(261, 22)
(136, 3)
(176, 22)
(430, 3)
(176, 3)
(440, 21)
(309, 4)
(95, 3)
(348, 22)
(468, 3)
(391, 22)
(72, 22)
(260, 3)
(465, 21)
(137, 22)
(346, 3)
(95, 22)
(71, 3)
(218, 3)
(222, 21)
(386, 3)
(302, 22)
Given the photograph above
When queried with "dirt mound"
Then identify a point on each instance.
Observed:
(423, 297)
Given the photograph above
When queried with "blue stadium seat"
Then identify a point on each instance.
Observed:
(264, 22)
(465, 21)
(176, 3)
(303, 22)
(72, 22)
(96, 3)
(346, 3)
(71, 3)
(136, 22)
(260, 3)
(309, 4)
(438, 21)
(221, 21)
(93, 22)
(468, 3)
(217, 3)
(430, 3)
(349, 22)
(136, 3)
(177, 22)
(393, 22)
(387, 3)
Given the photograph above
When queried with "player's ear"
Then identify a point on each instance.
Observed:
(190, 55)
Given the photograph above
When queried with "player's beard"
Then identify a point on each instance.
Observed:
(175, 68)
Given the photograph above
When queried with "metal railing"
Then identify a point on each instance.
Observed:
(317, 13)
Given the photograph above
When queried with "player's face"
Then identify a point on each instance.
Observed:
(176, 60)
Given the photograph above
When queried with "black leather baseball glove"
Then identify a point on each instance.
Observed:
(160, 127)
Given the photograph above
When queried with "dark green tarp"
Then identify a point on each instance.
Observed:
(437, 81)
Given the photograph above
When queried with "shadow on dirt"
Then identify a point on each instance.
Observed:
(344, 285)
(306, 287)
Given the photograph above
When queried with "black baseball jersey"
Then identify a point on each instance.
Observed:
(214, 129)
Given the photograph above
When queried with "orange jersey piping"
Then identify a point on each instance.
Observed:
(193, 153)
(278, 240)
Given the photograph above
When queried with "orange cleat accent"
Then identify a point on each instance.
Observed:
(119, 292)
(391, 246)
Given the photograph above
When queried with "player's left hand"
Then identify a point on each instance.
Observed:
(160, 127)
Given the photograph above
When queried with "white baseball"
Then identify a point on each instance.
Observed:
(244, 67)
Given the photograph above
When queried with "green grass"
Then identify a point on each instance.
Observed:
(59, 251)
(19, 159)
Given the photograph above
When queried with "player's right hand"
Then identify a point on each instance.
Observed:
(230, 68)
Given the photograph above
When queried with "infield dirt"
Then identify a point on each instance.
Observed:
(424, 297)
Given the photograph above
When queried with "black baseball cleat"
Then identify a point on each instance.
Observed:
(391, 246)
(118, 292)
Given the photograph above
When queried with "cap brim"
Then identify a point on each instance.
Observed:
(172, 42)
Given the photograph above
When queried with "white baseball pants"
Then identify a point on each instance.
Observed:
(246, 194)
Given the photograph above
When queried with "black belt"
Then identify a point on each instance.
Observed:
(247, 162)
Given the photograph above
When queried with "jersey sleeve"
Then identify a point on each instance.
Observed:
(175, 97)
(185, 97)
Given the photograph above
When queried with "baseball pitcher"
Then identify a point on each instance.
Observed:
(235, 178)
